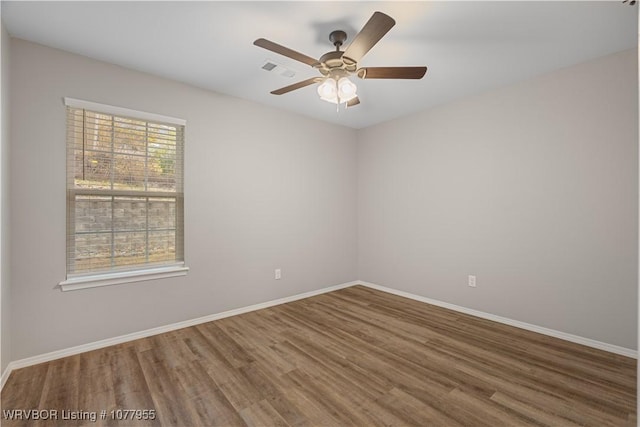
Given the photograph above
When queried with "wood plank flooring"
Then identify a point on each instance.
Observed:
(355, 357)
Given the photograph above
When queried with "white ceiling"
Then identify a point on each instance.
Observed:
(469, 47)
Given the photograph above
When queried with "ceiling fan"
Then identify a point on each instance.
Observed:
(336, 66)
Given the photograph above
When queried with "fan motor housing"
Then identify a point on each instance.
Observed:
(334, 60)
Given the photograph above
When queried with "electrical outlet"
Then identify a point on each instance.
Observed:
(472, 281)
(278, 274)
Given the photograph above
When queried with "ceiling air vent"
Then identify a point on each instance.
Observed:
(269, 66)
(278, 69)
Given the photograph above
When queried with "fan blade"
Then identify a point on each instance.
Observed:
(377, 26)
(353, 102)
(285, 51)
(391, 72)
(295, 86)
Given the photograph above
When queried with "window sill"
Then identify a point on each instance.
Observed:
(107, 279)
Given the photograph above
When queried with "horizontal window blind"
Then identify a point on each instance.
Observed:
(125, 196)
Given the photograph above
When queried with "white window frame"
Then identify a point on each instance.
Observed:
(92, 280)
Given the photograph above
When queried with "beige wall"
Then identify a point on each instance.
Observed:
(264, 189)
(533, 188)
(5, 290)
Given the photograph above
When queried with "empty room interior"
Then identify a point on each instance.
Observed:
(335, 213)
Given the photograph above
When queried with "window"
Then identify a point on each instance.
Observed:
(125, 196)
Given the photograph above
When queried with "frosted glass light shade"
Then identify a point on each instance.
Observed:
(346, 89)
(327, 89)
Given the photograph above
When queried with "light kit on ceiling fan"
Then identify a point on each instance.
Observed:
(337, 66)
(339, 91)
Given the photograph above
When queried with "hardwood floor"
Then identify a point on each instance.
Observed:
(351, 357)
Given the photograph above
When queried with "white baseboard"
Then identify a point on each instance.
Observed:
(47, 357)
(518, 324)
(29, 361)
(5, 375)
